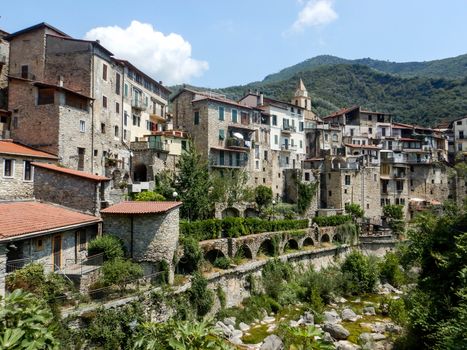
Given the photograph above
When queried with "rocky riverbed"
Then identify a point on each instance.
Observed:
(351, 324)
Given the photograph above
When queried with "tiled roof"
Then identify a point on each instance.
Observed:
(13, 148)
(351, 145)
(20, 218)
(140, 207)
(72, 172)
(341, 112)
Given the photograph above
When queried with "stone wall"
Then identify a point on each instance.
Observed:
(68, 190)
(155, 236)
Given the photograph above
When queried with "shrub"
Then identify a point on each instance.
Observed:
(110, 246)
(120, 272)
(149, 196)
(306, 192)
(192, 254)
(200, 296)
(390, 271)
(354, 210)
(222, 263)
(309, 337)
(361, 274)
(221, 296)
(263, 196)
(334, 220)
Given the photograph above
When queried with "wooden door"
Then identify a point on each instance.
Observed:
(57, 252)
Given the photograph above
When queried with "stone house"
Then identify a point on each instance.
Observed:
(4, 53)
(35, 232)
(17, 169)
(458, 130)
(149, 230)
(79, 190)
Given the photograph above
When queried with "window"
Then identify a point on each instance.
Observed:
(24, 72)
(221, 134)
(82, 126)
(125, 90)
(39, 244)
(116, 133)
(125, 118)
(461, 134)
(368, 206)
(8, 167)
(45, 96)
(301, 144)
(329, 193)
(307, 176)
(370, 130)
(117, 107)
(274, 119)
(370, 117)
(276, 139)
(412, 169)
(300, 126)
(257, 164)
(96, 152)
(265, 155)
(104, 101)
(347, 180)
(184, 143)
(326, 137)
(81, 152)
(234, 115)
(383, 131)
(103, 128)
(334, 137)
(104, 71)
(81, 240)
(221, 113)
(148, 125)
(136, 120)
(117, 83)
(27, 176)
(196, 118)
(459, 122)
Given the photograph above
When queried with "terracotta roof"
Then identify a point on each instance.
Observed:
(341, 112)
(141, 207)
(351, 145)
(72, 172)
(20, 218)
(220, 100)
(13, 148)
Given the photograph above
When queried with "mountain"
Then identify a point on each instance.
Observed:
(413, 92)
(448, 68)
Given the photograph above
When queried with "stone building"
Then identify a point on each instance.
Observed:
(79, 190)
(149, 231)
(17, 169)
(34, 232)
(458, 141)
(4, 54)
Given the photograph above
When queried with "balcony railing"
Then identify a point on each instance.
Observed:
(158, 146)
(138, 103)
(217, 163)
(233, 142)
(288, 129)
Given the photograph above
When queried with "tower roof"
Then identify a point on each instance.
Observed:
(301, 85)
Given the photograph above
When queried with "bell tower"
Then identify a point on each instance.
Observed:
(301, 97)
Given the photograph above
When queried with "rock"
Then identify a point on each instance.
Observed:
(378, 327)
(224, 329)
(269, 319)
(336, 331)
(331, 316)
(236, 334)
(272, 342)
(293, 323)
(308, 318)
(378, 336)
(358, 300)
(346, 345)
(243, 327)
(232, 328)
(236, 341)
(271, 328)
(229, 321)
(393, 328)
(327, 337)
(349, 315)
(369, 311)
(340, 300)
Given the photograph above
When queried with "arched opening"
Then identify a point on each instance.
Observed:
(308, 242)
(267, 248)
(251, 213)
(325, 238)
(244, 252)
(337, 238)
(140, 173)
(184, 267)
(291, 244)
(230, 213)
(213, 254)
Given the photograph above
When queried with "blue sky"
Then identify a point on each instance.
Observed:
(218, 43)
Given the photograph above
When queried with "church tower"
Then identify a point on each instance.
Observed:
(301, 97)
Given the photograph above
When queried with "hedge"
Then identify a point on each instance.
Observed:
(334, 220)
(236, 227)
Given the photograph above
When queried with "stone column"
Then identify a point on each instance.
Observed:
(3, 258)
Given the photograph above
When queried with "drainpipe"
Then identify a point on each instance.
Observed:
(131, 236)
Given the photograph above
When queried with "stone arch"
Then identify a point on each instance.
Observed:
(230, 212)
(250, 213)
(337, 238)
(267, 248)
(325, 238)
(213, 254)
(291, 244)
(184, 267)
(140, 172)
(244, 252)
(308, 242)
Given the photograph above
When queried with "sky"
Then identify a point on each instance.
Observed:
(219, 43)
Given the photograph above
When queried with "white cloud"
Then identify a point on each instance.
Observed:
(163, 57)
(315, 13)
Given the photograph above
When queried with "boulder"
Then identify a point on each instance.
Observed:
(236, 341)
(236, 334)
(269, 319)
(272, 342)
(229, 321)
(393, 328)
(243, 327)
(346, 345)
(378, 327)
(293, 323)
(271, 328)
(336, 331)
(331, 316)
(369, 311)
(327, 337)
(349, 315)
(224, 329)
(308, 318)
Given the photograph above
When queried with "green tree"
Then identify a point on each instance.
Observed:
(230, 187)
(361, 273)
(26, 323)
(354, 210)
(193, 185)
(263, 196)
(395, 215)
(149, 196)
(306, 193)
(165, 183)
(110, 246)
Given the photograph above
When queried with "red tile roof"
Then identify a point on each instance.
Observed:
(341, 112)
(351, 145)
(11, 147)
(72, 172)
(20, 218)
(140, 207)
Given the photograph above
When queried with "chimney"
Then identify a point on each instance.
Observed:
(261, 98)
(98, 41)
(60, 80)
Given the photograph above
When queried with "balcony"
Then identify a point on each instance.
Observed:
(287, 129)
(398, 175)
(157, 118)
(286, 147)
(233, 142)
(217, 163)
(158, 146)
(138, 104)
